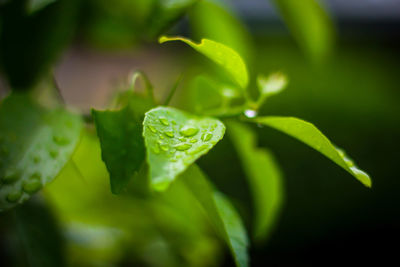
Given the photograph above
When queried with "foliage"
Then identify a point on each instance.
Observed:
(148, 151)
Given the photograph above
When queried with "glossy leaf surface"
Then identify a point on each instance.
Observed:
(35, 144)
(221, 54)
(174, 140)
(310, 135)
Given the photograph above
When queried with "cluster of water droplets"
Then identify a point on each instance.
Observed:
(180, 141)
(27, 176)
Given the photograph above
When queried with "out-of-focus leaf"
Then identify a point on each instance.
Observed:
(221, 54)
(221, 213)
(224, 27)
(165, 13)
(36, 5)
(35, 144)
(271, 85)
(41, 240)
(310, 25)
(310, 135)
(31, 43)
(174, 140)
(263, 175)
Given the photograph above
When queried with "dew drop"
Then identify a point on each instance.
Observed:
(183, 147)
(156, 149)
(164, 121)
(164, 147)
(198, 149)
(193, 141)
(36, 159)
(53, 153)
(182, 139)
(60, 140)
(14, 196)
(206, 137)
(33, 185)
(152, 129)
(170, 134)
(250, 113)
(10, 177)
(188, 130)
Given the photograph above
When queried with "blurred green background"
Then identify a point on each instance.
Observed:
(343, 74)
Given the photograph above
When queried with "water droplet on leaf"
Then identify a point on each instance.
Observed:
(164, 121)
(14, 196)
(169, 134)
(206, 137)
(250, 113)
(152, 129)
(188, 130)
(33, 185)
(183, 147)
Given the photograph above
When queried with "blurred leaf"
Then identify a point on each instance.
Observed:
(35, 144)
(220, 212)
(224, 27)
(36, 5)
(205, 95)
(221, 54)
(263, 175)
(120, 134)
(164, 14)
(271, 85)
(174, 140)
(310, 135)
(310, 25)
(41, 239)
(31, 43)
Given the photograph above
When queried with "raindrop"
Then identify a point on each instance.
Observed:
(164, 147)
(59, 140)
(156, 149)
(169, 134)
(14, 196)
(53, 153)
(164, 121)
(33, 185)
(182, 139)
(206, 137)
(183, 147)
(152, 129)
(193, 141)
(189, 130)
(250, 113)
(198, 149)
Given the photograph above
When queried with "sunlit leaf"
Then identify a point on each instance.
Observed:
(174, 140)
(225, 27)
(221, 54)
(35, 144)
(310, 135)
(310, 25)
(221, 213)
(271, 85)
(263, 175)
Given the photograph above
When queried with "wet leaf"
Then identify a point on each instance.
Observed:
(35, 144)
(310, 135)
(174, 140)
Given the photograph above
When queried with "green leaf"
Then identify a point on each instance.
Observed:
(36, 5)
(310, 25)
(221, 213)
(263, 175)
(225, 27)
(271, 85)
(42, 242)
(35, 144)
(120, 134)
(174, 140)
(310, 135)
(221, 54)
